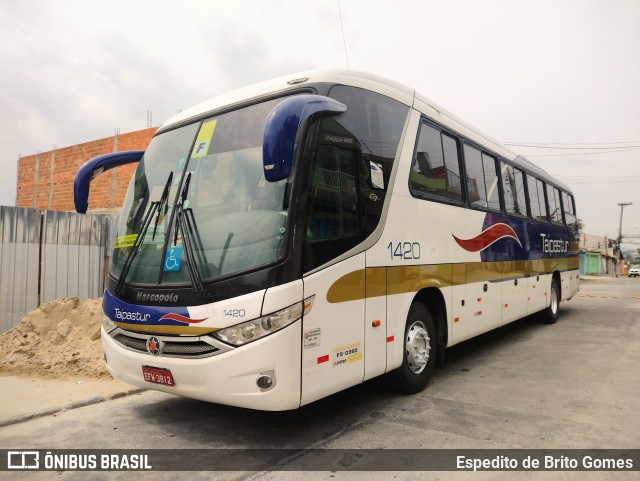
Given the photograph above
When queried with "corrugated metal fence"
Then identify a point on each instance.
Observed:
(46, 255)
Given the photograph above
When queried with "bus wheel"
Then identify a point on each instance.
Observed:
(419, 354)
(550, 314)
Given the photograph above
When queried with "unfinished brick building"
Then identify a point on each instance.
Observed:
(45, 179)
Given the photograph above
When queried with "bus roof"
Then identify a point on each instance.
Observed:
(363, 80)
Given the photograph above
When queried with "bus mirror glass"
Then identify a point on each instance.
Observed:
(281, 131)
(93, 168)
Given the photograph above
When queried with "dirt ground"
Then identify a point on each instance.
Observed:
(60, 339)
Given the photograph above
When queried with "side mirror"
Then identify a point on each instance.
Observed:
(93, 168)
(281, 129)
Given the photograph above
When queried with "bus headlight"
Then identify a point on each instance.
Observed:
(258, 328)
(107, 323)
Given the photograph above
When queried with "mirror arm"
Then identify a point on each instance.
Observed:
(281, 130)
(93, 168)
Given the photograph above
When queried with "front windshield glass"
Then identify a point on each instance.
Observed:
(229, 218)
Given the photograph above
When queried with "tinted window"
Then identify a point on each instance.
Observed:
(482, 179)
(513, 188)
(537, 204)
(569, 209)
(491, 181)
(350, 172)
(436, 167)
(454, 184)
(333, 203)
(555, 208)
(376, 122)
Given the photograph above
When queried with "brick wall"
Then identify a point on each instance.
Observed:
(44, 187)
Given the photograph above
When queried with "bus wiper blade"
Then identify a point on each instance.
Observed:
(181, 203)
(163, 200)
(186, 225)
(135, 248)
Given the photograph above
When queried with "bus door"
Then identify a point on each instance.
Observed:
(333, 331)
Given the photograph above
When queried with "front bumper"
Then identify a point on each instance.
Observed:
(227, 378)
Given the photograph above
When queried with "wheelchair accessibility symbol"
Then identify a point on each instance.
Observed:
(173, 259)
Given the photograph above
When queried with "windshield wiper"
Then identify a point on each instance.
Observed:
(186, 226)
(163, 203)
(146, 221)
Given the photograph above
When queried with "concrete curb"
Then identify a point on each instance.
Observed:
(74, 405)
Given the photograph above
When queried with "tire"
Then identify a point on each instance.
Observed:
(550, 314)
(420, 353)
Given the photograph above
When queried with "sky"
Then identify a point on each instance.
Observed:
(559, 78)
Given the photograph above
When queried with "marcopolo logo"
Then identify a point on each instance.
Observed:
(155, 297)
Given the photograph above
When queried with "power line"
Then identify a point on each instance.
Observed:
(344, 42)
(573, 143)
(583, 153)
(624, 147)
(614, 177)
(600, 183)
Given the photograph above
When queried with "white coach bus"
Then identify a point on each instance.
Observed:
(285, 241)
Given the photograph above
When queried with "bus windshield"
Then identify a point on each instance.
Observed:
(226, 218)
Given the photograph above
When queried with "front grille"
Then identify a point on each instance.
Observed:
(188, 348)
(131, 342)
(172, 347)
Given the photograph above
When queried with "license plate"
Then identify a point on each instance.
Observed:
(157, 375)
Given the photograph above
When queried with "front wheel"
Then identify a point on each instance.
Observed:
(550, 314)
(419, 352)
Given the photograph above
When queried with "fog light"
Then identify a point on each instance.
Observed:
(264, 382)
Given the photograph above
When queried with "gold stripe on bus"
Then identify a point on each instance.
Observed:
(403, 279)
(349, 287)
(155, 329)
(376, 281)
(380, 281)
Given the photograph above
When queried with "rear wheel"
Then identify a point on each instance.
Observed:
(550, 314)
(419, 353)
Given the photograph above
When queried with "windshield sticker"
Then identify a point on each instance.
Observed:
(125, 241)
(173, 259)
(178, 169)
(377, 178)
(203, 141)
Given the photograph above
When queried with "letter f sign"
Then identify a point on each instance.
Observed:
(201, 148)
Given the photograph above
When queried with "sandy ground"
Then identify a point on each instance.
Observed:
(60, 339)
(52, 361)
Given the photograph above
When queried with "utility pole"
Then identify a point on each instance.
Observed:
(622, 206)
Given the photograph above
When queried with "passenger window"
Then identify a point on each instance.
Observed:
(452, 163)
(491, 182)
(482, 179)
(537, 204)
(555, 208)
(569, 211)
(513, 188)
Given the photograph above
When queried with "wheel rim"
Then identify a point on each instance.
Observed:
(417, 347)
(554, 300)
